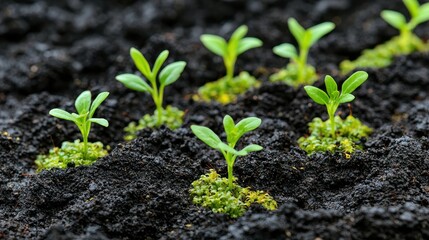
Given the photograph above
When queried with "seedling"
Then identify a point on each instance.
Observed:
(233, 133)
(168, 75)
(332, 98)
(230, 50)
(419, 14)
(305, 39)
(84, 116)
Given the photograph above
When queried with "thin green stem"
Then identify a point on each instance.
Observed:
(230, 166)
(405, 38)
(302, 62)
(331, 112)
(229, 65)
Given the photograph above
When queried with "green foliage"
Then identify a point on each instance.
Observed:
(84, 117)
(171, 117)
(212, 191)
(230, 50)
(233, 133)
(332, 98)
(298, 72)
(70, 154)
(348, 138)
(406, 43)
(226, 90)
(168, 75)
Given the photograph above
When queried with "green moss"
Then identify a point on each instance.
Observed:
(70, 154)
(289, 75)
(382, 55)
(212, 191)
(171, 117)
(349, 133)
(226, 90)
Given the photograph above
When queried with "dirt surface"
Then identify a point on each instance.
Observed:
(53, 50)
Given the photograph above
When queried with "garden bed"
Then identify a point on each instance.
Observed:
(52, 51)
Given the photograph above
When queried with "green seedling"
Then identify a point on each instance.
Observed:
(230, 50)
(233, 133)
(84, 116)
(332, 98)
(419, 14)
(305, 39)
(168, 75)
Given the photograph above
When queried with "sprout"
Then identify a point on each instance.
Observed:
(305, 39)
(167, 76)
(233, 133)
(84, 117)
(332, 98)
(230, 50)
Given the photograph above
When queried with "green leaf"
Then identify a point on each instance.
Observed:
(248, 124)
(296, 29)
(134, 82)
(423, 14)
(345, 98)
(171, 73)
(96, 103)
(206, 135)
(239, 33)
(412, 6)
(396, 19)
(251, 148)
(224, 147)
(228, 125)
(317, 95)
(140, 62)
(247, 44)
(353, 82)
(320, 30)
(158, 63)
(59, 113)
(331, 85)
(215, 44)
(100, 121)
(286, 50)
(83, 102)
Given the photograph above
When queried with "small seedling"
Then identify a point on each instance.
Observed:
(233, 133)
(230, 50)
(305, 74)
(332, 98)
(84, 116)
(419, 14)
(168, 75)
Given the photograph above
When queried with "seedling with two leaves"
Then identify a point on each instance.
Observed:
(298, 72)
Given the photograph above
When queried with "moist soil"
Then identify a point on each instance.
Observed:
(53, 50)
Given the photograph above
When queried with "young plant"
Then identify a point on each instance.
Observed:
(305, 39)
(332, 98)
(84, 116)
(230, 50)
(233, 133)
(419, 14)
(168, 75)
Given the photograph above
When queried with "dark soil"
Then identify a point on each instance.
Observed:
(53, 50)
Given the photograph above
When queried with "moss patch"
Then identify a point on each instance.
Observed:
(349, 133)
(289, 75)
(212, 191)
(70, 155)
(171, 117)
(382, 55)
(226, 90)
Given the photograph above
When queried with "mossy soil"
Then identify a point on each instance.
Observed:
(53, 50)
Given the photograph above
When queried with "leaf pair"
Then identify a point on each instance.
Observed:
(237, 44)
(233, 132)
(167, 76)
(419, 14)
(305, 38)
(332, 95)
(84, 108)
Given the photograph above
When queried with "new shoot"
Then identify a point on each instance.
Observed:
(157, 78)
(298, 71)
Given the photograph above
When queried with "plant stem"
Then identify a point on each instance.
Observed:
(230, 176)
(302, 62)
(229, 65)
(405, 39)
